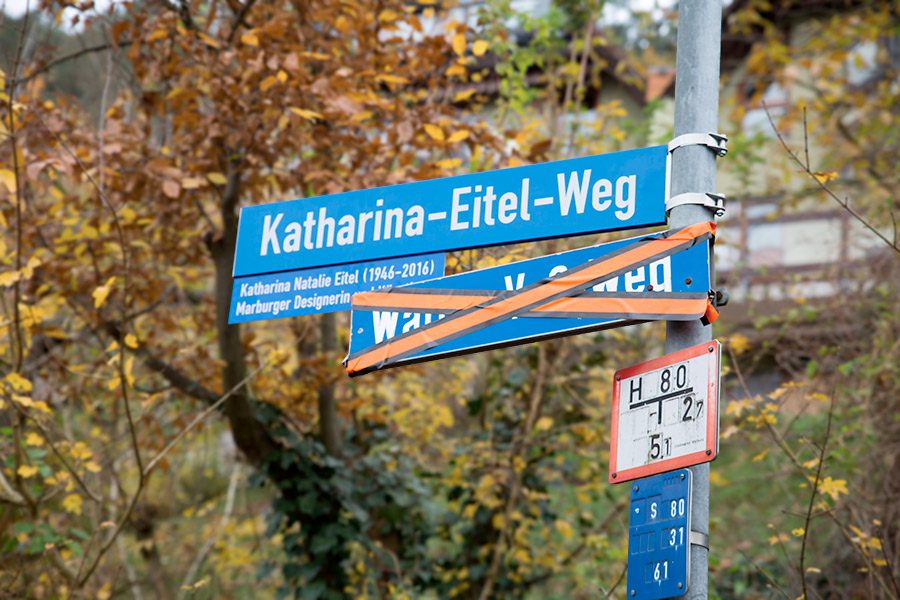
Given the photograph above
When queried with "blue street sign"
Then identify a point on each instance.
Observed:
(323, 290)
(684, 271)
(608, 192)
(659, 526)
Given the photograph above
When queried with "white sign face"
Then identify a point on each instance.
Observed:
(665, 413)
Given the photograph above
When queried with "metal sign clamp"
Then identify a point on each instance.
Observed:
(697, 538)
(716, 142)
(714, 201)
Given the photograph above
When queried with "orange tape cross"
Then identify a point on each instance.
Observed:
(562, 295)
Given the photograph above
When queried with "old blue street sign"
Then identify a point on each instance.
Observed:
(659, 526)
(608, 192)
(323, 290)
(684, 272)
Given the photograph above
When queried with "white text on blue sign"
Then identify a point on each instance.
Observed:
(323, 290)
(622, 190)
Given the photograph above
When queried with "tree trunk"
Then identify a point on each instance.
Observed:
(250, 435)
(329, 424)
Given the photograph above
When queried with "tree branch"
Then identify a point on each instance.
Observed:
(843, 203)
(515, 476)
(69, 57)
(812, 498)
(8, 494)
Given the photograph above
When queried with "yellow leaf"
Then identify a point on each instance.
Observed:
(80, 451)
(157, 35)
(434, 132)
(216, 178)
(26, 471)
(458, 136)
(267, 83)
(9, 278)
(191, 183)
(479, 47)
(459, 43)
(797, 532)
(564, 528)
(72, 504)
(33, 439)
(833, 487)
(825, 177)
(92, 466)
(18, 383)
(463, 95)
(23, 400)
(739, 343)
(105, 592)
(386, 78)
(8, 178)
(543, 424)
(309, 115)
(282, 75)
(102, 293)
(455, 71)
(250, 39)
(449, 163)
(880, 562)
(129, 367)
(131, 341)
(717, 479)
(761, 456)
(388, 15)
(209, 40)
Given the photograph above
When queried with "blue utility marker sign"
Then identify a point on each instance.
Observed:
(323, 290)
(608, 192)
(684, 272)
(659, 526)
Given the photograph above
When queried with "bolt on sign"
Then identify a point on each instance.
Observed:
(465, 317)
(659, 531)
(665, 413)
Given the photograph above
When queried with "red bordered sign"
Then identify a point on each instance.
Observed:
(665, 413)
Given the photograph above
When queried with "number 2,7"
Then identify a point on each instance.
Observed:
(689, 403)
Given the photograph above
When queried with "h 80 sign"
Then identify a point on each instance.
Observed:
(665, 413)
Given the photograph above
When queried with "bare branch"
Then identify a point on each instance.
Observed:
(812, 496)
(82, 578)
(199, 418)
(8, 494)
(845, 204)
(69, 57)
(239, 19)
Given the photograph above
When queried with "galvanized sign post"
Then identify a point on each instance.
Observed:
(694, 172)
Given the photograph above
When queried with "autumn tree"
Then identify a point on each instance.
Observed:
(118, 252)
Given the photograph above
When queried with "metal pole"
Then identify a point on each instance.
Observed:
(694, 170)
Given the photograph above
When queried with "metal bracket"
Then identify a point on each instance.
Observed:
(716, 142)
(698, 539)
(714, 201)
